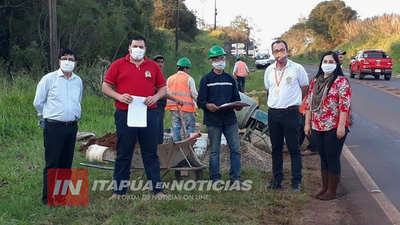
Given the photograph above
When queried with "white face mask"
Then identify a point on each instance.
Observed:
(328, 68)
(220, 65)
(137, 53)
(67, 66)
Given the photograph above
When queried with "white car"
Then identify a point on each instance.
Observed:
(263, 61)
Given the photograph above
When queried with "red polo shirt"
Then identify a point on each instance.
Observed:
(140, 80)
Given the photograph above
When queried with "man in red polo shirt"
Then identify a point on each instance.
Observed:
(135, 75)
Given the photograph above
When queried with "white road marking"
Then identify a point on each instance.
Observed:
(391, 212)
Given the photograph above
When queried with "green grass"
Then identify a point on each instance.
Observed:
(22, 162)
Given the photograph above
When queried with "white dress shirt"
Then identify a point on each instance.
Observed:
(59, 98)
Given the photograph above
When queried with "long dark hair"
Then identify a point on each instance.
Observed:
(337, 72)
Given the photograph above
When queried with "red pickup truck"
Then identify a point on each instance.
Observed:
(371, 62)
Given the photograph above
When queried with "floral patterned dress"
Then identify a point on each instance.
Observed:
(338, 100)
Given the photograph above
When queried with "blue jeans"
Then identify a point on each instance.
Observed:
(285, 125)
(190, 123)
(231, 134)
(126, 144)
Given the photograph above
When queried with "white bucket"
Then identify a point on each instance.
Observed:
(96, 153)
(223, 140)
(200, 146)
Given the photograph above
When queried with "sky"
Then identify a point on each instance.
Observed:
(274, 17)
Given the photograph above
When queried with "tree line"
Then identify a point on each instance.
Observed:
(100, 28)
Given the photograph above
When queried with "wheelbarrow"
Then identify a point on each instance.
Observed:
(254, 121)
(177, 156)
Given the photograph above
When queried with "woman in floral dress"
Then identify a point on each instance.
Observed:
(328, 120)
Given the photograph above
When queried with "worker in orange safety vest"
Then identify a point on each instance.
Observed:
(240, 70)
(182, 86)
(311, 148)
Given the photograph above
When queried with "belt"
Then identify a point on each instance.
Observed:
(62, 122)
(290, 108)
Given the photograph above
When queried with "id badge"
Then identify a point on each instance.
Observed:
(276, 93)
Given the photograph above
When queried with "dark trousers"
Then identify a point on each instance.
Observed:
(59, 145)
(240, 83)
(284, 125)
(161, 115)
(329, 149)
(126, 144)
(311, 146)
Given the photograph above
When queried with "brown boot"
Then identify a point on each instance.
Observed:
(324, 178)
(333, 183)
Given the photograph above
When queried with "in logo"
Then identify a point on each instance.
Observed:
(67, 187)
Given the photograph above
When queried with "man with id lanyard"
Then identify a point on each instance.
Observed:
(287, 84)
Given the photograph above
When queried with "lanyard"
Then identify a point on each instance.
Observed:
(280, 78)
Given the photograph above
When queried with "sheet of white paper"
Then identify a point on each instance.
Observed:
(137, 112)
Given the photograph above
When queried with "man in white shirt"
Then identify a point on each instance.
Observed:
(286, 83)
(58, 102)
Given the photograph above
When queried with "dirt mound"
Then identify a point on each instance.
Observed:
(108, 140)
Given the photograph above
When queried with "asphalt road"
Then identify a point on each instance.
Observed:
(374, 141)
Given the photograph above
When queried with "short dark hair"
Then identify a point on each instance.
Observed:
(279, 41)
(138, 38)
(157, 57)
(67, 52)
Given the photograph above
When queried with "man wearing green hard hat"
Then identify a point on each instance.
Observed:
(216, 88)
(181, 86)
(240, 71)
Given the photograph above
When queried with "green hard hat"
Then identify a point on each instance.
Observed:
(237, 57)
(216, 51)
(184, 62)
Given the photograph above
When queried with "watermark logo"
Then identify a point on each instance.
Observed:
(67, 187)
(190, 185)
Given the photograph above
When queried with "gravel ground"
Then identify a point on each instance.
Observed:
(251, 157)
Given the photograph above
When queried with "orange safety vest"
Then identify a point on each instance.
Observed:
(178, 88)
(302, 108)
(240, 69)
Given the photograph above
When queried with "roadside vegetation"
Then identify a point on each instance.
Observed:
(333, 25)
(22, 164)
(99, 31)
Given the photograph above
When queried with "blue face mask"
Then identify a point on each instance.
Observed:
(220, 65)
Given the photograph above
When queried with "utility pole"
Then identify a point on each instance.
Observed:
(177, 27)
(54, 45)
(215, 14)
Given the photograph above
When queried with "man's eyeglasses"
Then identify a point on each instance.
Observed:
(276, 51)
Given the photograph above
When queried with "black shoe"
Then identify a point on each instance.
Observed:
(274, 185)
(219, 184)
(296, 187)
